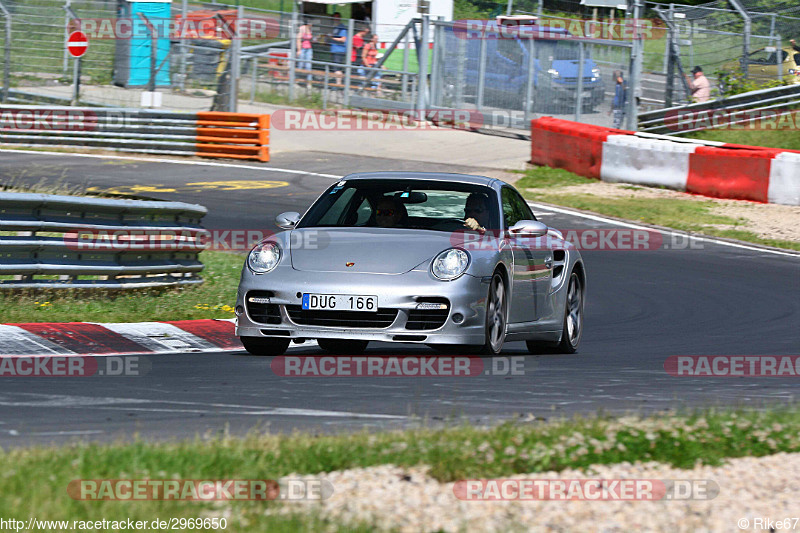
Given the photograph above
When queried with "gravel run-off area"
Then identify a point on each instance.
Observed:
(409, 500)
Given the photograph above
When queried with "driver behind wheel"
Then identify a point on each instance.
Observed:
(389, 212)
(476, 212)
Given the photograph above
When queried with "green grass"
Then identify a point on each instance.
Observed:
(786, 139)
(209, 300)
(547, 177)
(34, 480)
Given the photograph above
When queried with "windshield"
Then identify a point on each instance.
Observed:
(408, 204)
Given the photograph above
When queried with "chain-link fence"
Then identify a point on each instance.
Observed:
(524, 72)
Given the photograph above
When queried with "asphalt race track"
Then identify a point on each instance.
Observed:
(642, 307)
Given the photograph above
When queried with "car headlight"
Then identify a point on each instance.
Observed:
(264, 257)
(596, 72)
(450, 264)
(554, 73)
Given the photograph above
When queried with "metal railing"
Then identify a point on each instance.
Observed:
(738, 110)
(204, 134)
(51, 241)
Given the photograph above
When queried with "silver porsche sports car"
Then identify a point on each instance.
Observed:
(438, 259)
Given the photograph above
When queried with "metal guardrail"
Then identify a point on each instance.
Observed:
(726, 111)
(204, 134)
(51, 241)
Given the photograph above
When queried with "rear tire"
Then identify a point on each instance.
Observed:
(265, 345)
(343, 346)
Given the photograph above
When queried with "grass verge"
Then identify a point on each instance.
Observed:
(691, 215)
(35, 480)
(785, 139)
(214, 298)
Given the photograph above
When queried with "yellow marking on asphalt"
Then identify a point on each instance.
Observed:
(237, 185)
(133, 189)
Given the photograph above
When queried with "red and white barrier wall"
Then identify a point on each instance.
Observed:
(701, 167)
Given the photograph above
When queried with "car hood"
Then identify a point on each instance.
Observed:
(568, 68)
(370, 250)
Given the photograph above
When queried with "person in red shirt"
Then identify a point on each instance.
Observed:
(358, 45)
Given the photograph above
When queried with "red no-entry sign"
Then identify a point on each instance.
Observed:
(77, 43)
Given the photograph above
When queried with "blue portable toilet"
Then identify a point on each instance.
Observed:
(132, 60)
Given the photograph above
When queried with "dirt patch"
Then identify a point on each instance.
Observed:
(770, 221)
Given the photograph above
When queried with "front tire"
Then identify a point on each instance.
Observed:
(573, 316)
(496, 315)
(265, 345)
(343, 346)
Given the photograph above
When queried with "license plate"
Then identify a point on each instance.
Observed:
(340, 302)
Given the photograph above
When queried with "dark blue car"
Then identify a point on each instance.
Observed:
(555, 76)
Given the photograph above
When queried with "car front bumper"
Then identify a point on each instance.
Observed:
(402, 292)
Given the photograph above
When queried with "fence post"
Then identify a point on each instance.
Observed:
(422, 91)
(405, 65)
(635, 74)
(7, 53)
(184, 48)
(579, 92)
(748, 26)
(436, 64)
(325, 89)
(67, 20)
(481, 74)
(529, 86)
(460, 80)
(292, 51)
(236, 66)
(254, 66)
(668, 46)
(348, 61)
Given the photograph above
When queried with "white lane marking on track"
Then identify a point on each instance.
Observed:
(62, 433)
(172, 161)
(665, 232)
(331, 176)
(118, 404)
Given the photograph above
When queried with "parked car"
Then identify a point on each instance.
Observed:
(555, 71)
(762, 65)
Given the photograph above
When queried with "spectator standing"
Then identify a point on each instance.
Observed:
(305, 36)
(620, 98)
(338, 39)
(358, 45)
(796, 49)
(700, 86)
(369, 58)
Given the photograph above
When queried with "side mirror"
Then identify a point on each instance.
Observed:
(529, 227)
(287, 220)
